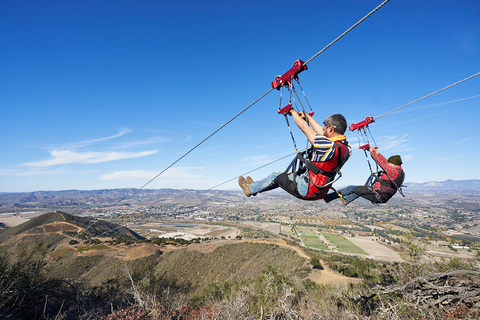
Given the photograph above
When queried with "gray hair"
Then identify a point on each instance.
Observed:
(338, 122)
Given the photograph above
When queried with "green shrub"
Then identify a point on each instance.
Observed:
(316, 263)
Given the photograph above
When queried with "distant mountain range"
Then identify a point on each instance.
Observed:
(470, 185)
(108, 197)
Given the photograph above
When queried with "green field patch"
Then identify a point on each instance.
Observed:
(286, 230)
(217, 233)
(60, 252)
(343, 244)
(310, 238)
(92, 247)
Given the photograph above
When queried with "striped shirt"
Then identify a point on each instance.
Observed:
(323, 148)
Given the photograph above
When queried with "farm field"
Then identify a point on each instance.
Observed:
(343, 244)
(375, 249)
(310, 238)
(288, 232)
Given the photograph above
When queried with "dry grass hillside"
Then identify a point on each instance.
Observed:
(50, 269)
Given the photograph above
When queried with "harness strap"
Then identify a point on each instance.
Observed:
(388, 183)
(300, 165)
(391, 183)
(340, 160)
(311, 167)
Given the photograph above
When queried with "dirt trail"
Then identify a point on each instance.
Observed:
(325, 276)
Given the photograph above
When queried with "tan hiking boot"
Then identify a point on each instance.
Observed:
(343, 201)
(244, 185)
(250, 181)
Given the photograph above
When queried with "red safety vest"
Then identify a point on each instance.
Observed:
(326, 171)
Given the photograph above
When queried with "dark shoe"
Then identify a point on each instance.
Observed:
(330, 196)
(244, 185)
(250, 181)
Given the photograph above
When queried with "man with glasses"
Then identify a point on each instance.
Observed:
(330, 151)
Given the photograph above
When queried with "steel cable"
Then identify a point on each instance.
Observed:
(347, 31)
(201, 142)
(198, 144)
(258, 168)
(428, 95)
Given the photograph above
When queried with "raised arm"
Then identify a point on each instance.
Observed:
(309, 132)
(315, 125)
(378, 157)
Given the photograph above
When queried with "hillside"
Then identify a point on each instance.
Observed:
(99, 263)
(110, 268)
(43, 224)
(249, 277)
(51, 268)
(186, 268)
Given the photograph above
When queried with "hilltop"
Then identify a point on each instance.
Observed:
(76, 245)
(62, 221)
(60, 246)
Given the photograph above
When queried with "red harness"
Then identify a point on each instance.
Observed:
(324, 172)
(321, 174)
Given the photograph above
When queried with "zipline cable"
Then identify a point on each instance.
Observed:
(347, 31)
(428, 95)
(317, 54)
(201, 142)
(198, 144)
(265, 165)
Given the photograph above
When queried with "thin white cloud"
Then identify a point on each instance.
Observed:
(6, 172)
(386, 143)
(152, 140)
(431, 115)
(444, 160)
(31, 172)
(211, 148)
(441, 103)
(463, 141)
(85, 143)
(257, 160)
(393, 142)
(61, 157)
(433, 105)
(172, 174)
(469, 41)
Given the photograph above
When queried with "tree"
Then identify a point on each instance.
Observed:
(316, 264)
(413, 254)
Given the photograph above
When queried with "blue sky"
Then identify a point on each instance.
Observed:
(107, 94)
